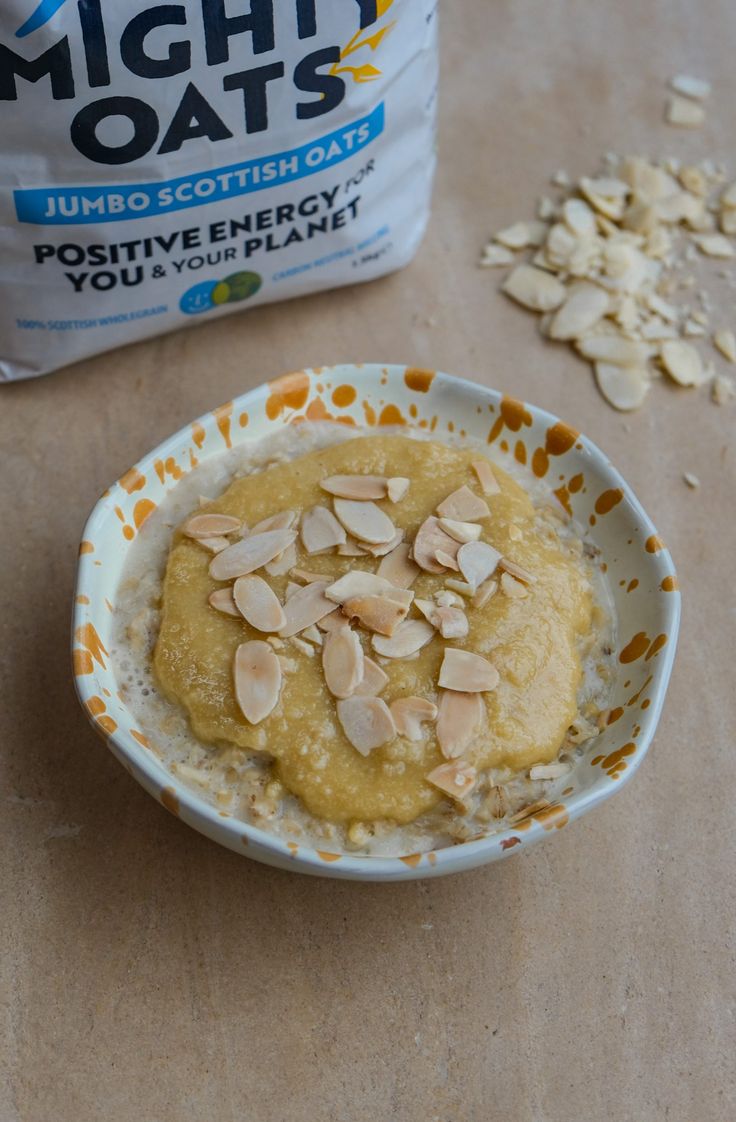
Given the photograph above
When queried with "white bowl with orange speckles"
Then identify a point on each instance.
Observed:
(640, 571)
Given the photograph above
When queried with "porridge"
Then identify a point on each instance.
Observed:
(372, 643)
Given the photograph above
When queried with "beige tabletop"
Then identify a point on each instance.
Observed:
(147, 975)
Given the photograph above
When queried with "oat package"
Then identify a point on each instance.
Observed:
(162, 163)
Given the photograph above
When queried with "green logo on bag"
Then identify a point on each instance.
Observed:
(206, 295)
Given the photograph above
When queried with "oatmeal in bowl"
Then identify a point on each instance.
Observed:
(367, 649)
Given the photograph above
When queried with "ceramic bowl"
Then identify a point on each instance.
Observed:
(639, 568)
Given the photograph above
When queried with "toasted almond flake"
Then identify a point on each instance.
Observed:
(461, 531)
(527, 811)
(452, 623)
(366, 722)
(313, 634)
(725, 341)
(446, 560)
(398, 567)
(222, 601)
(447, 599)
(258, 604)
(696, 88)
(460, 586)
(484, 593)
(614, 349)
(714, 245)
(486, 478)
(477, 561)
(332, 621)
(282, 564)
(307, 576)
(351, 548)
(456, 779)
(382, 614)
(245, 556)
(512, 588)
(684, 113)
(283, 520)
(608, 196)
(518, 236)
(211, 526)
(545, 208)
(495, 256)
(257, 678)
(429, 538)
(342, 662)
(214, 545)
(579, 217)
(464, 506)
(515, 533)
(693, 180)
(360, 487)
(517, 571)
(397, 488)
(358, 583)
(460, 718)
(410, 713)
(428, 609)
(724, 389)
(307, 606)
(365, 521)
(548, 771)
(300, 645)
(374, 679)
(410, 636)
(682, 362)
(320, 530)
(624, 387)
(583, 308)
(692, 480)
(467, 672)
(385, 547)
(291, 588)
(534, 288)
(728, 197)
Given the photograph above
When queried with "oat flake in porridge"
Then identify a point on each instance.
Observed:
(365, 642)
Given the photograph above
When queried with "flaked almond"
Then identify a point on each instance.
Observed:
(382, 614)
(366, 722)
(222, 601)
(385, 547)
(246, 556)
(714, 245)
(410, 713)
(459, 720)
(683, 363)
(351, 548)
(582, 310)
(512, 588)
(313, 634)
(684, 113)
(486, 478)
(484, 593)
(320, 530)
(461, 531)
(548, 771)
(211, 526)
(332, 621)
(397, 487)
(283, 520)
(467, 672)
(614, 349)
(624, 387)
(358, 487)
(307, 576)
(464, 506)
(282, 564)
(460, 586)
(452, 623)
(696, 88)
(307, 606)
(446, 560)
(365, 521)
(495, 256)
(456, 779)
(257, 678)
(342, 662)
(358, 583)
(305, 648)
(258, 604)
(477, 561)
(373, 681)
(429, 539)
(409, 637)
(214, 545)
(607, 195)
(515, 532)
(398, 567)
(517, 571)
(579, 218)
(725, 341)
(534, 288)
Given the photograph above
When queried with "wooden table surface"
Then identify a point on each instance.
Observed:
(147, 975)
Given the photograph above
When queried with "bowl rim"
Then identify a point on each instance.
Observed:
(248, 839)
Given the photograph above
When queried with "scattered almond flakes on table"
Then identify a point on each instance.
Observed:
(610, 276)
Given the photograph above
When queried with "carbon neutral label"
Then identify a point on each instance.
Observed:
(168, 162)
